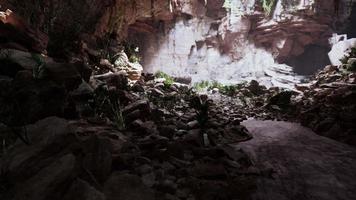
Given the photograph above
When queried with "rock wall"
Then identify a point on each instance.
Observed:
(67, 22)
(198, 38)
(243, 43)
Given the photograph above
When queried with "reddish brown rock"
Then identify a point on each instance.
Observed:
(19, 35)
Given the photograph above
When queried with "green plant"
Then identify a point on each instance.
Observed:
(134, 59)
(118, 118)
(227, 4)
(216, 84)
(39, 69)
(350, 54)
(200, 86)
(268, 6)
(168, 79)
(351, 65)
(201, 104)
(344, 59)
(107, 104)
(229, 90)
(132, 51)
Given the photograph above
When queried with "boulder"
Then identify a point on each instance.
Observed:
(167, 131)
(282, 99)
(48, 137)
(208, 170)
(156, 92)
(97, 157)
(28, 100)
(66, 73)
(135, 71)
(14, 29)
(48, 181)
(142, 105)
(340, 49)
(22, 58)
(81, 190)
(121, 186)
(122, 62)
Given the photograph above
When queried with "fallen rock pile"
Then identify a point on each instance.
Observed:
(328, 103)
(171, 144)
(252, 100)
(68, 133)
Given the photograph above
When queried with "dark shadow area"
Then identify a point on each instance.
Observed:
(314, 58)
(351, 28)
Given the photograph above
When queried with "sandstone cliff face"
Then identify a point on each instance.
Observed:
(289, 32)
(243, 43)
(196, 38)
(67, 21)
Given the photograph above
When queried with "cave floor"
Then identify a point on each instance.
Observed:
(303, 165)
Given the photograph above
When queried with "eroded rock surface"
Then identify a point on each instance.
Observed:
(299, 164)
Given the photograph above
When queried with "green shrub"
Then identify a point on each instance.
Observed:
(227, 4)
(169, 80)
(216, 84)
(107, 104)
(134, 59)
(229, 90)
(351, 54)
(39, 69)
(201, 104)
(269, 6)
(351, 65)
(200, 86)
(344, 60)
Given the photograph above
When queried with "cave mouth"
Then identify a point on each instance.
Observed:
(314, 58)
(190, 45)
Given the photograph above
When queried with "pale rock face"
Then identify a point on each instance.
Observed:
(187, 51)
(339, 50)
(243, 44)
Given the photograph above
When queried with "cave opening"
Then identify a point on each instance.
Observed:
(177, 100)
(314, 58)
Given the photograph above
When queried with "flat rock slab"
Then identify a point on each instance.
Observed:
(303, 165)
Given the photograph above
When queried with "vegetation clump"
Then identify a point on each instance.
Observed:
(200, 86)
(39, 69)
(351, 54)
(268, 6)
(169, 80)
(349, 60)
(201, 104)
(229, 90)
(107, 104)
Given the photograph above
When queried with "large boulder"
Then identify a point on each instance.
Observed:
(64, 160)
(122, 186)
(66, 73)
(46, 183)
(97, 158)
(82, 190)
(22, 58)
(27, 100)
(340, 49)
(47, 137)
